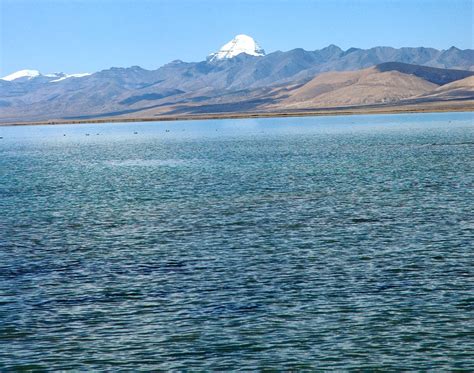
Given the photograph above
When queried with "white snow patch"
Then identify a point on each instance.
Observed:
(67, 76)
(29, 74)
(54, 75)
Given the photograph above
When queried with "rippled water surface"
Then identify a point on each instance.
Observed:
(287, 244)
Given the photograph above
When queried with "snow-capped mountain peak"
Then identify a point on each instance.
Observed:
(240, 44)
(22, 74)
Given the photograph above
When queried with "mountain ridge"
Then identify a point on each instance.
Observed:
(250, 80)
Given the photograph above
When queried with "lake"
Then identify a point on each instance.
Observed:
(287, 244)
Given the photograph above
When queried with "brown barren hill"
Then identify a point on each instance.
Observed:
(363, 87)
(459, 90)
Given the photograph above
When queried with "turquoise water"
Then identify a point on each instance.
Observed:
(286, 244)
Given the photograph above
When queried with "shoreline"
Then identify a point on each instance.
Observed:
(404, 109)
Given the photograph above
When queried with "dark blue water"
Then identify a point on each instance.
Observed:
(284, 244)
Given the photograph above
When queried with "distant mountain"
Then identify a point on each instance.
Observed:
(238, 77)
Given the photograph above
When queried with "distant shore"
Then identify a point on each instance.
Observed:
(435, 107)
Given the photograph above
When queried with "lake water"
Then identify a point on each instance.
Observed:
(286, 244)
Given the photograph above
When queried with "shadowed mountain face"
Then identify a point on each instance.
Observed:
(243, 82)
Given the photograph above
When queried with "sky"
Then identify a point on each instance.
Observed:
(76, 36)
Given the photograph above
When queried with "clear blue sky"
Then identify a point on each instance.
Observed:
(91, 35)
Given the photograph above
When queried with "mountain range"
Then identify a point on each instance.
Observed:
(241, 78)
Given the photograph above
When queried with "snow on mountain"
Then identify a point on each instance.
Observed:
(67, 76)
(240, 44)
(22, 74)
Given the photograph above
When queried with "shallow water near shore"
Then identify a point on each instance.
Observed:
(289, 244)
